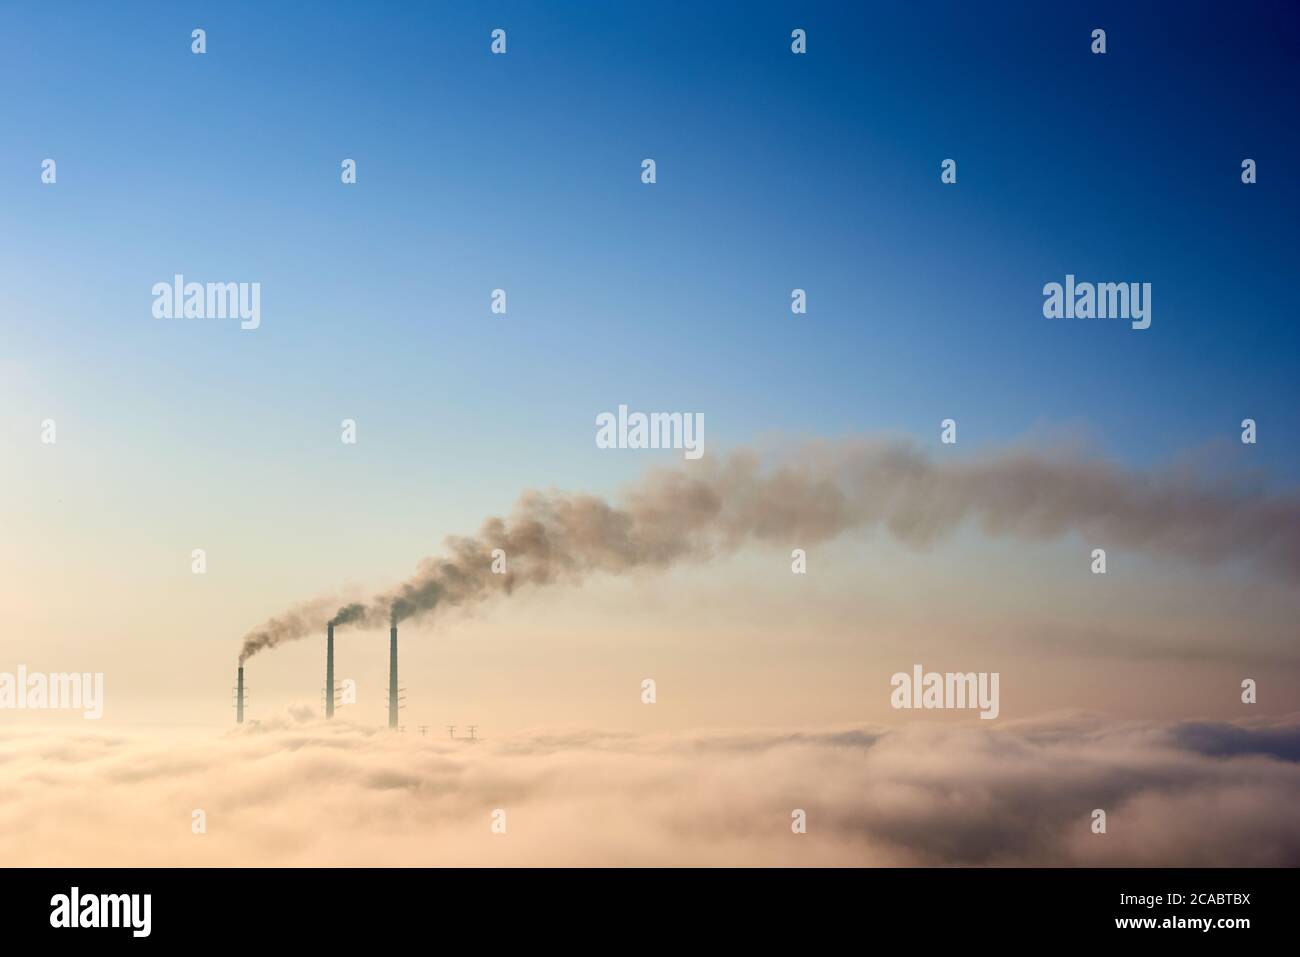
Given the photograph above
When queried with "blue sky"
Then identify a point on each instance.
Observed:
(522, 172)
(775, 171)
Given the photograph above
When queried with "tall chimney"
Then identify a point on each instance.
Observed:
(329, 670)
(239, 697)
(392, 676)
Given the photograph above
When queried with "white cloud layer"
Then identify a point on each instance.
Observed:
(303, 792)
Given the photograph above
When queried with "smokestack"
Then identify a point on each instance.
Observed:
(329, 670)
(239, 697)
(392, 676)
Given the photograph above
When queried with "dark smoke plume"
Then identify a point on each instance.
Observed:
(289, 626)
(348, 614)
(713, 507)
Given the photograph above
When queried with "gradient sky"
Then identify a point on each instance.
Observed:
(523, 172)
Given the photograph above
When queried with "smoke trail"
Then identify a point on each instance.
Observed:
(714, 507)
(306, 618)
(348, 614)
(289, 626)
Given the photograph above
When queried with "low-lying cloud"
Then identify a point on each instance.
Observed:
(298, 791)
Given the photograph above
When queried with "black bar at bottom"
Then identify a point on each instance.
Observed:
(242, 906)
